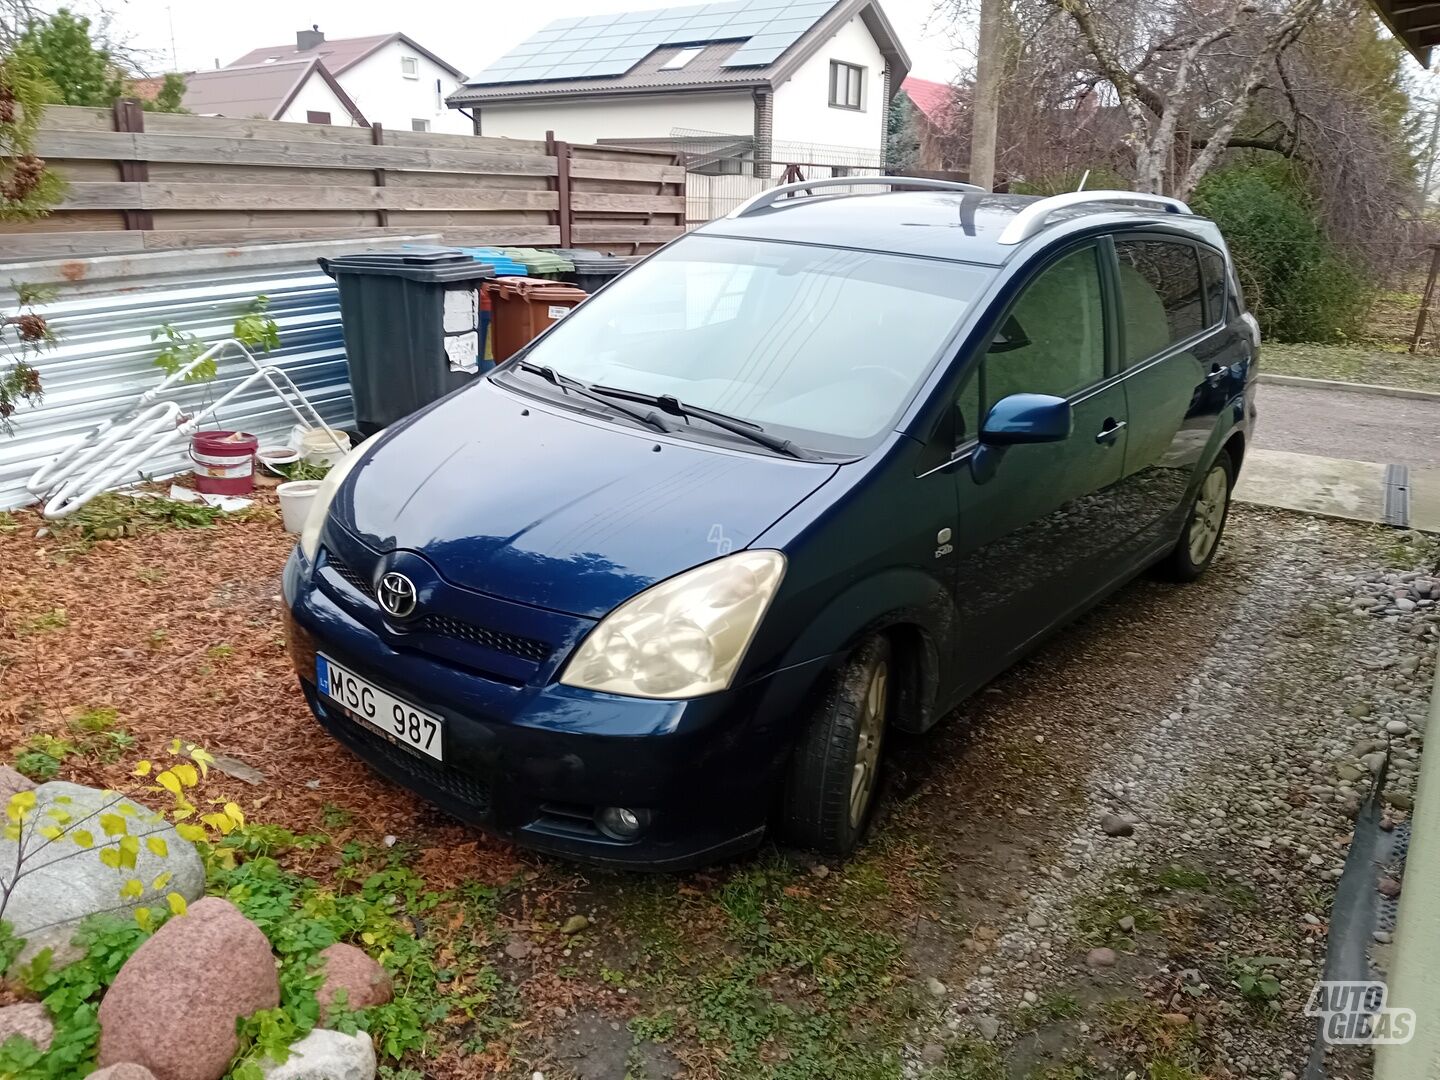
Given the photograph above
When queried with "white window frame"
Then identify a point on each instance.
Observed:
(847, 84)
(419, 124)
(410, 67)
(683, 57)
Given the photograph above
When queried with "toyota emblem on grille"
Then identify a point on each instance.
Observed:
(397, 594)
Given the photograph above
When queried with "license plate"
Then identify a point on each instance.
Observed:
(397, 720)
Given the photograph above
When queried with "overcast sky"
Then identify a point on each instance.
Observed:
(467, 34)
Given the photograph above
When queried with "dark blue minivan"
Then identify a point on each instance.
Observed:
(663, 580)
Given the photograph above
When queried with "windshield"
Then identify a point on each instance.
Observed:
(819, 345)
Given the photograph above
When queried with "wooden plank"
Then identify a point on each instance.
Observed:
(178, 173)
(161, 240)
(77, 118)
(581, 168)
(223, 198)
(118, 146)
(214, 127)
(67, 221)
(33, 245)
(643, 204)
(587, 232)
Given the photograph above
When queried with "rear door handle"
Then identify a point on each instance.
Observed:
(1217, 375)
(1111, 431)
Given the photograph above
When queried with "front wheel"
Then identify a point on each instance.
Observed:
(1205, 523)
(831, 787)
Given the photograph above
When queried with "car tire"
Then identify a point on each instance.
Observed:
(1204, 523)
(831, 788)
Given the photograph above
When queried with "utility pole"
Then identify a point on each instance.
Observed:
(985, 101)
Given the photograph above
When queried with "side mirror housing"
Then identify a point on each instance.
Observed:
(1027, 418)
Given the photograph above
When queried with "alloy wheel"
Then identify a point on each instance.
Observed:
(867, 744)
(1208, 515)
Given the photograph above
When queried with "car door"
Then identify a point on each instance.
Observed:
(1034, 538)
(1173, 342)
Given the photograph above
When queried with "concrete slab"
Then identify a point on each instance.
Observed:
(1333, 487)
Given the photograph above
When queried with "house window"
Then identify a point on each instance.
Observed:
(683, 57)
(419, 125)
(410, 67)
(847, 82)
(313, 117)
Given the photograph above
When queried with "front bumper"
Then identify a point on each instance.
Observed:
(535, 762)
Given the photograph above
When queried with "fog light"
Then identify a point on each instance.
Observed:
(618, 823)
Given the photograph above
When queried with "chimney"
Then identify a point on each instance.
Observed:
(305, 40)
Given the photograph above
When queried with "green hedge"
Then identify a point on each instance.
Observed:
(1297, 284)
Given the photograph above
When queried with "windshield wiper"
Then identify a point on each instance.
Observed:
(575, 386)
(747, 429)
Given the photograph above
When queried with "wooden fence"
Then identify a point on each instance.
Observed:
(144, 181)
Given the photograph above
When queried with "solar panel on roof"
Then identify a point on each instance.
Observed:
(596, 45)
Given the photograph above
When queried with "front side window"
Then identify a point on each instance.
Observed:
(1160, 295)
(847, 82)
(820, 345)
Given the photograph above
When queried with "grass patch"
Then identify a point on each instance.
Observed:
(971, 1059)
(1175, 877)
(1166, 1051)
(93, 734)
(44, 623)
(1353, 363)
(1051, 1009)
(8, 524)
(113, 516)
(1097, 918)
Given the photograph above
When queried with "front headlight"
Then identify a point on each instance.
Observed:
(684, 637)
(324, 496)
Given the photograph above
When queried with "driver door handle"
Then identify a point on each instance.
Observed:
(1111, 431)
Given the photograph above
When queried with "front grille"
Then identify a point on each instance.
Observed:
(350, 577)
(471, 790)
(514, 644)
(537, 652)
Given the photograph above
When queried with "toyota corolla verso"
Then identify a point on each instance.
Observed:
(821, 468)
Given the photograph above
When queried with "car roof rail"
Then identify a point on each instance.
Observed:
(769, 198)
(1032, 219)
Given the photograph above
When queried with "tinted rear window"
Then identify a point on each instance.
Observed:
(1161, 294)
(1212, 271)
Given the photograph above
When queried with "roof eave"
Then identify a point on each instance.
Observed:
(461, 100)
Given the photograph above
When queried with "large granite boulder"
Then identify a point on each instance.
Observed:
(347, 968)
(28, 1020)
(173, 1006)
(326, 1055)
(61, 883)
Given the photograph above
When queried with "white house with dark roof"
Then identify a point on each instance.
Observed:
(390, 79)
(757, 84)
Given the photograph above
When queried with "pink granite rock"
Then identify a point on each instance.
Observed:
(12, 782)
(29, 1019)
(173, 1006)
(347, 968)
(126, 1070)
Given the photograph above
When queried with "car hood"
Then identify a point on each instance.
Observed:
(530, 502)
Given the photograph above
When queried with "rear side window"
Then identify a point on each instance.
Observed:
(1160, 295)
(1212, 272)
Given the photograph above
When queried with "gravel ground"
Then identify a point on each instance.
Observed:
(1194, 837)
(1345, 424)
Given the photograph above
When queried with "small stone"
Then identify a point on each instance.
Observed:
(519, 949)
(820, 870)
(1361, 709)
(1127, 924)
(933, 1053)
(1388, 886)
(574, 924)
(986, 969)
(390, 841)
(1115, 825)
(1100, 958)
(326, 1055)
(28, 1020)
(1175, 1019)
(1397, 727)
(345, 967)
(125, 1070)
(1034, 920)
(12, 783)
(1349, 772)
(1382, 936)
(1399, 800)
(935, 987)
(1030, 997)
(988, 1027)
(1374, 762)
(231, 766)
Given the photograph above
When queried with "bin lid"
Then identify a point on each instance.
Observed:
(503, 263)
(528, 288)
(540, 261)
(416, 264)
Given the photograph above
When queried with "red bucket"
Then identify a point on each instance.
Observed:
(224, 462)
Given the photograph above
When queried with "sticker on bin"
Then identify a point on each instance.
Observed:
(558, 312)
(462, 310)
(463, 352)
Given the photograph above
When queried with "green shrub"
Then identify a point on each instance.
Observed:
(1297, 283)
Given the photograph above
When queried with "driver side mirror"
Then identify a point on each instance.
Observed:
(1027, 418)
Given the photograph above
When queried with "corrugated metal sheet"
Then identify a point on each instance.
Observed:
(104, 357)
